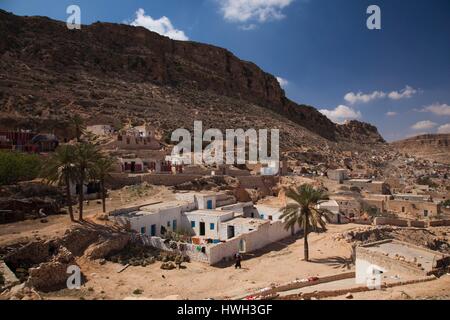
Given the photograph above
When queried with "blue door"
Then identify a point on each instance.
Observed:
(153, 230)
(174, 225)
(209, 204)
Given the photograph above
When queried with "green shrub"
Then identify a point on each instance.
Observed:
(138, 291)
(16, 167)
(446, 203)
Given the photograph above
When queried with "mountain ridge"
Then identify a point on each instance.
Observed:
(135, 54)
(435, 147)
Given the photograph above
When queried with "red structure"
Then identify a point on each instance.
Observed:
(26, 141)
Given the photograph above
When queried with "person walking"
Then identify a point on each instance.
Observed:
(238, 259)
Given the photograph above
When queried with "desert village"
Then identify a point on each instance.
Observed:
(173, 230)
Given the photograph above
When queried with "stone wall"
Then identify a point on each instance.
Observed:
(413, 208)
(381, 221)
(119, 180)
(439, 223)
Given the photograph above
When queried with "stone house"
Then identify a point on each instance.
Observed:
(413, 208)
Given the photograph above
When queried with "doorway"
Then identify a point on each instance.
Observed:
(133, 166)
(202, 228)
(242, 246)
(230, 232)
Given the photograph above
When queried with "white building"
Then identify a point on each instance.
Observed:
(216, 232)
(156, 219)
(268, 212)
(332, 211)
(100, 129)
(207, 223)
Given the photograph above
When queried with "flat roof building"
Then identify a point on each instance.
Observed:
(397, 259)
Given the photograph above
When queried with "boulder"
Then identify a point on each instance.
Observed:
(107, 246)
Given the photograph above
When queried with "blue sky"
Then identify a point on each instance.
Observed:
(397, 78)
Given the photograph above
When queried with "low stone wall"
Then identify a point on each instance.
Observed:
(298, 284)
(439, 223)
(381, 221)
(417, 224)
(119, 180)
(340, 292)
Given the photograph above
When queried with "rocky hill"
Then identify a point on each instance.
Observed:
(111, 72)
(435, 147)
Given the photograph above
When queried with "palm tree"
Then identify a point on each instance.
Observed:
(79, 126)
(61, 169)
(86, 155)
(103, 167)
(304, 212)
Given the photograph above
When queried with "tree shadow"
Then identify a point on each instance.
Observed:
(336, 262)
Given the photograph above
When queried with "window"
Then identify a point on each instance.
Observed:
(403, 209)
(174, 225)
(211, 226)
(168, 224)
(261, 216)
(153, 230)
(143, 230)
(425, 213)
(270, 217)
(192, 224)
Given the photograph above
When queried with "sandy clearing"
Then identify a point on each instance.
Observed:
(279, 263)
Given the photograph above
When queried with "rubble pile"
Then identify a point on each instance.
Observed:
(138, 255)
(212, 183)
(434, 239)
(23, 201)
(43, 264)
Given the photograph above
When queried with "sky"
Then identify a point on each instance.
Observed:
(322, 52)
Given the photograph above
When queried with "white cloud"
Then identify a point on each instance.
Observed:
(444, 128)
(406, 93)
(391, 113)
(424, 125)
(163, 26)
(283, 82)
(438, 109)
(256, 10)
(341, 113)
(353, 98)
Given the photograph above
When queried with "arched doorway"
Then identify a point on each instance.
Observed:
(242, 246)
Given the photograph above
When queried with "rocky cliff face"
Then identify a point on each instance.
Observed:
(430, 146)
(47, 51)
